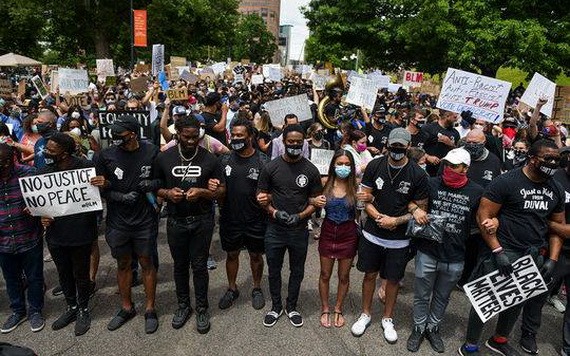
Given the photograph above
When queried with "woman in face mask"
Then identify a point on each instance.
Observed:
(316, 137)
(518, 156)
(355, 143)
(78, 129)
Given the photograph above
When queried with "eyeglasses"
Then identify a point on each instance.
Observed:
(551, 159)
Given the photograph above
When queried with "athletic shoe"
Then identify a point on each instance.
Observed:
(181, 316)
(272, 317)
(48, 258)
(37, 322)
(69, 316)
(528, 343)
(83, 323)
(257, 299)
(435, 340)
(150, 322)
(359, 327)
(556, 303)
(57, 291)
(228, 299)
(502, 349)
(415, 340)
(471, 350)
(295, 318)
(121, 318)
(390, 333)
(12, 322)
(202, 320)
(211, 264)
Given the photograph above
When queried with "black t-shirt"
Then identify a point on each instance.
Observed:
(459, 206)
(173, 171)
(72, 230)
(563, 178)
(526, 207)
(377, 138)
(392, 195)
(419, 139)
(125, 170)
(483, 172)
(290, 184)
(435, 148)
(211, 120)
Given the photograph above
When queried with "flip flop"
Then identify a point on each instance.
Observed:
(327, 323)
(338, 319)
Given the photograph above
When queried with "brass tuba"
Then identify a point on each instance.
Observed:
(329, 122)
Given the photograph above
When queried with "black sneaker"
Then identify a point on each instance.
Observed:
(468, 350)
(257, 299)
(295, 318)
(57, 291)
(83, 323)
(12, 322)
(37, 322)
(272, 317)
(69, 316)
(181, 316)
(228, 299)
(150, 322)
(415, 340)
(502, 349)
(528, 343)
(202, 320)
(435, 340)
(121, 318)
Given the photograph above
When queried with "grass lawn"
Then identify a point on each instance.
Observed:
(517, 76)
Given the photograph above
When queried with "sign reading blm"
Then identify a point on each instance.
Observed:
(107, 118)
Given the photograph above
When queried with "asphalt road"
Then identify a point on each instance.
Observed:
(239, 330)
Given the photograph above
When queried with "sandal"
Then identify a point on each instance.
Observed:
(338, 319)
(326, 323)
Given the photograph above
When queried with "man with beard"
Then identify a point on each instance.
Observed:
(440, 138)
(45, 125)
(417, 121)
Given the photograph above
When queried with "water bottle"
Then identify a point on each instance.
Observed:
(359, 203)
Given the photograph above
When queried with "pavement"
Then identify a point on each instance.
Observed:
(239, 330)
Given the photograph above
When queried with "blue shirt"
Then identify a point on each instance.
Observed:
(39, 149)
(16, 123)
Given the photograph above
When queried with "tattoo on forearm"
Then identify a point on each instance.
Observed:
(403, 219)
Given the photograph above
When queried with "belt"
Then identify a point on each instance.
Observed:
(190, 218)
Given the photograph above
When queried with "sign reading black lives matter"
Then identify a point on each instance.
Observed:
(493, 293)
(61, 193)
(107, 118)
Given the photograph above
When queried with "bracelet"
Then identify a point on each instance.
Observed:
(498, 250)
(414, 209)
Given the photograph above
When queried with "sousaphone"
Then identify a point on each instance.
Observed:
(334, 83)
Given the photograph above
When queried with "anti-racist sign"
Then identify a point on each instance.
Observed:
(298, 105)
(139, 85)
(484, 96)
(5, 88)
(362, 92)
(76, 100)
(177, 94)
(61, 193)
(322, 159)
(540, 87)
(413, 79)
(40, 86)
(493, 293)
(157, 58)
(107, 118)
(105, 69)
(379, 80)
(72, 81)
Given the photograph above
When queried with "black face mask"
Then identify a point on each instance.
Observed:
(318, 135)
(397, 153)
(239, 144)
(293, 151)
(546, 170)
(475, 150)
(419, 124)
(121, 142)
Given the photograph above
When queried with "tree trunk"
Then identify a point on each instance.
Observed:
(101, 44)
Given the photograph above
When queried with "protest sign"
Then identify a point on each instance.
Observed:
(298, 105)
(257, 79)
(322, 159)
(78, 100)
(393, 88)
(177, 61)
(191, 78)
(380, 81)
(218, 68)
(139, 85)
(413, 79)
(143, 68)
(54, 81)
(61, 193)
(238, 78)
(493, 293)
(5, 88)
(430, 87)
(485, 97)
(105, 69)
(319, 81)
(182, 69)
(177, 94)
(72, 81)
(561, 109)
(540, 87)
(139, 30)
(22, 87)
(174, 74)
(107, 118)
(40, 86)
(352, 74)
(362, 92)
(272, 72)
(157, 58)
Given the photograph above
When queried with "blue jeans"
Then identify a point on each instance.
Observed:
(31, 263)
(434, 280)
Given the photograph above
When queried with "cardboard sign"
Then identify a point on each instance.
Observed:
(107, 118)
(105, 68)
(157, 58)
(191, 78)
(61, 193)
(40, 86)
(362, 92)
(298, 105)
(78, 100)
(73, 81)
(177, 61)
(322, 159)
(143, 68)
(484, 96)
(413, 79)
(540, 87)
(257, 79)
(493, 293)
(177, 94)
(562, 104)
(5, 88)
(22, 87)
(139, 85)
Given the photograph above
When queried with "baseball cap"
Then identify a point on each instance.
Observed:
(125, 123)
(179, 110)
(458, 156)
(399, 135)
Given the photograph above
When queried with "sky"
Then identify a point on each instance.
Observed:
(291, 15)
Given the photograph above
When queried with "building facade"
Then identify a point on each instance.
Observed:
(269, 10)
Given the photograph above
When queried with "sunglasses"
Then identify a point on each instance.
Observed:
(552, 159)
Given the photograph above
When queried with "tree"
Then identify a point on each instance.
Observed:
(22, 24)
(252, 40)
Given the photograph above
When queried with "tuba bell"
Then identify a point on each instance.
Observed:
(334, 83)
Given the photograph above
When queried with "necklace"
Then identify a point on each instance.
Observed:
(187, 159)
(390, 172)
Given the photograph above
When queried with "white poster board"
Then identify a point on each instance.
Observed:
(61, 193)
(257, 79)
(272, 72)
(413, 79)
(319, 81)
(322, 159)
(72, 81)
(493, 293)
(540, 87)
(298, 105)
(484, 96)
(157, 58)
(54, 81)
(393, 88)
(219, 68)
(362, 92)
(379, 80)
(105, 69)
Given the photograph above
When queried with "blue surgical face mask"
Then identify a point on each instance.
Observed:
(342, 171)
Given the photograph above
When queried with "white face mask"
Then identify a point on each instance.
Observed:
(479, 126)
(202, 132)
(75, 115)
(76, 131)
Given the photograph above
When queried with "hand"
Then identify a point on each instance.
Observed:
(503, 264)
(148, 185)
(293, 219)
(547, 270)
(175, 195)
(98, 181)
(386, 222)
(445, 140)
(225, 108)
(432, 160)
(213, 184)
(263, 199)
(420, 216)
(281, 216)
(541, 101)
(46, 221)
(192, 194)
(364, 196)
(320, 201)
(373, 150)
(491, 225)
(130, 198)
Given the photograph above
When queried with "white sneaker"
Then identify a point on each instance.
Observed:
(359, 327)
(557, 303)
(390, 333)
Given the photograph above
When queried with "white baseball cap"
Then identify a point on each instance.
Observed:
(458, 156)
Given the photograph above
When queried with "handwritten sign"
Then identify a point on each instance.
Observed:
(105, 68)
(5, 87)
(139, 85)
(484, 96)
(177, 94)
(413, 79)
(40, 86)
(61, 193)
(257, 79)
(76, 100)
(218, 68)
(157, 58)
(362, 92)
(322, 159)
(379, 80)
(493, 293)
(72, 81)
(177, 61)
(319, 81)
(540, 87)
(107, 118)
(298, 105)
(272, 72)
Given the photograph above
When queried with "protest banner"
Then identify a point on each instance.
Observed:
(493, 293)
(322, 159)
(139, 30)
(257, 79)
(139, 85)
(298, 105)
(177, 61)
(561, 109)
(107, 118)
(105, 68)
(78, 100)
(40, 86)
(72, 81)
(540, 87)
(177, 94)
(485, 97)
(6, 88)
(362, 92)
(157, 58)
(61, 193)
(413, 79)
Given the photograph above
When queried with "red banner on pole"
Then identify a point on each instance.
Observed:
(139, 19)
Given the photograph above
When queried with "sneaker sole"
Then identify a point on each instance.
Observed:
(493, 349)
(364, 331)
(295, 325)
(6, 331)
(40, 328)
(204, 330)
(275, 322)
(176, 327)
(528, 351)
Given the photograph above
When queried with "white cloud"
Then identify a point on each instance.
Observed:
(291, 15)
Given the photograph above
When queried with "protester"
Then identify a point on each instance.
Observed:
(354, 142)
(377, 130)
(440, 138)
(277, 144)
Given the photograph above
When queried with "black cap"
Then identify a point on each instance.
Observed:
(125, 123)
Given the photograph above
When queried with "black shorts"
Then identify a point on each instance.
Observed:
(126, 243)
(236, 241)
(390, 262)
